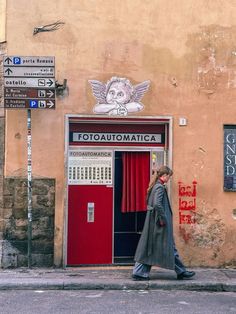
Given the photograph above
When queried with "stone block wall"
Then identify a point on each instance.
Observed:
(14, 246)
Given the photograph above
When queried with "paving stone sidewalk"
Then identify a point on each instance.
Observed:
(114, 278)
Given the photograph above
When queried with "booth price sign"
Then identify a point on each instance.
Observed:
(29, 82)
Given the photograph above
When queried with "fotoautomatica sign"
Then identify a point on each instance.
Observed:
(86, 137)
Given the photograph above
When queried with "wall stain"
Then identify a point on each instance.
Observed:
(210, 60)
(215, 56)
(120, 57)
(162, 61)
(18, 136)
(209, 232)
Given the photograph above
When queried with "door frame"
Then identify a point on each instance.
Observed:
(159, 120)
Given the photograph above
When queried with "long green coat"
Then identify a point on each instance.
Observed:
(156, 244)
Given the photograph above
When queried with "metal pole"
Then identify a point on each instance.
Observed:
(29, 185)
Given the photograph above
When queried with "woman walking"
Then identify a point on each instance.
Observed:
(156, 245)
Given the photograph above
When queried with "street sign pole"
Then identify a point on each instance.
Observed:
(29, 186)
(29, 83)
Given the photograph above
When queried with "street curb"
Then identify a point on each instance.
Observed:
(229, 287)
(62, 285)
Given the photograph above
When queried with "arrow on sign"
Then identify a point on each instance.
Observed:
(50, 104)
(8, 60)
(50, 82)
(50, 93)
(8, 71)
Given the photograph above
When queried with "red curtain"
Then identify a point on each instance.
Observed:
(136, 175)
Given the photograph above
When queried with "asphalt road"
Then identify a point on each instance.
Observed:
(112, 302)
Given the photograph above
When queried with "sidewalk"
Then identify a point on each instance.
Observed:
(114, 278)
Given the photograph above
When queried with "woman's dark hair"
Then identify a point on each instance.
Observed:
(157, 174)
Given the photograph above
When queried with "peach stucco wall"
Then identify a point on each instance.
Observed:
(185, 48)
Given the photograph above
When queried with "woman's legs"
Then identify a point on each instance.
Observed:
(141, 270)
(180, 269)
(179, 266)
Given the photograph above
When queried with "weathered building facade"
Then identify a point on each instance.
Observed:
(174, 66)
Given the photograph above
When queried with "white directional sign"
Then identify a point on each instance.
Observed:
(29, 103)
(25, 92)
(29, 71)
(29, 82)
(28, 61)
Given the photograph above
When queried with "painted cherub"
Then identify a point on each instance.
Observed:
(118, 96)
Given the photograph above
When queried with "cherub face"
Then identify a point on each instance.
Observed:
(118, 93)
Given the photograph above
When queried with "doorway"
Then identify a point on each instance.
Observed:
(105, 214)
(132, 174)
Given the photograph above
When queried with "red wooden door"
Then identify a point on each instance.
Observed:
(90, 224)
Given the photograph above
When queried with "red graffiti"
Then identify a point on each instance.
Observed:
(186, 219)
(187, 205)
(187, 202)
(185, 235)
(187, 190)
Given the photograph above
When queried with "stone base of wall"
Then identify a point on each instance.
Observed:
(14, 243)
(12, 257)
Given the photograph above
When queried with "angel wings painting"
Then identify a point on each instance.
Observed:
(118, 96)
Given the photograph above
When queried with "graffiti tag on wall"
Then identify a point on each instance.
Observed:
(187, 207)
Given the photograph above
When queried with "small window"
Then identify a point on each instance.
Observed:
(157, 159)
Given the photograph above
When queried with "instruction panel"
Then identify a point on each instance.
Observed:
(89, 167)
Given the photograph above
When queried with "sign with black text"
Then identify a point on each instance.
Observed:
(85, 137)
(29, 82)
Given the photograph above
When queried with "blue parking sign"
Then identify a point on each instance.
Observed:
(33, 103)
(16, 60)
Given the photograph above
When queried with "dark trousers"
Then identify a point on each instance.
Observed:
(179, 266)
(143, 270)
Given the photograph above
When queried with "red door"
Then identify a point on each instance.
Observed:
(90, 224)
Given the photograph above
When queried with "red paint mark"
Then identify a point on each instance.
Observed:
(188, 190)
(187, 202)
(186, 219)
(187, 207)
(185, 235)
